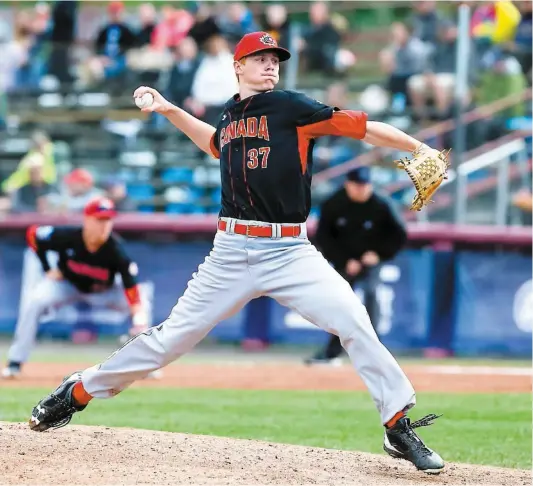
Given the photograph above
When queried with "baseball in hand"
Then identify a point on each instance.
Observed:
(145, 100)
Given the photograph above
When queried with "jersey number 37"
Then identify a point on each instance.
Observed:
(256, 157)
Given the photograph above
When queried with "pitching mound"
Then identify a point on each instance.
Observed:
(102, 455)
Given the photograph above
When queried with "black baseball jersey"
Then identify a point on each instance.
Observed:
(88, 272)
(265, 145)
(347, 229)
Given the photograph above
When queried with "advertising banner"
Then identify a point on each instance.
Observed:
(494, 299)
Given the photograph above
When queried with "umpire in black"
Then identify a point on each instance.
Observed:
(358, 229)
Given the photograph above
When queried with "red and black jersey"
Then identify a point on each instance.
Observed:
(265, 145)
(88, 272)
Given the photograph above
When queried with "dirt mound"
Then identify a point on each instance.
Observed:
(103, 455)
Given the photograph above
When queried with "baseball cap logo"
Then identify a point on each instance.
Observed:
(268, 40)
(105, 205)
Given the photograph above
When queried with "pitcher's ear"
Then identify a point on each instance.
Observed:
(238, 66)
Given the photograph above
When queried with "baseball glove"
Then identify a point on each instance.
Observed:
(427, 168)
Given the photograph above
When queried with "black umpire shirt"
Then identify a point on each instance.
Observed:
(347, 229)
(88, 272)
(265, 145)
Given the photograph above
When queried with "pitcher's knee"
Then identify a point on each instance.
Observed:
(351, 319)
(35, 307)
(180, 336)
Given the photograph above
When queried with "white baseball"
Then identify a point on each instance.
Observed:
(145, 100)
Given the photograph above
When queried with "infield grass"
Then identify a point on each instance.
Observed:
(490, 429)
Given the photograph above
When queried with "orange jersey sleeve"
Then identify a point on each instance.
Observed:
(213, 147)
(343, 123)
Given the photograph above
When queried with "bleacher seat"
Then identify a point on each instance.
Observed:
(135, 174)
(140, 191)
(145, 158)
(146, 208)
(206, 176)
(185, 200)
(216, 195)
(179, 208)
(177, 175)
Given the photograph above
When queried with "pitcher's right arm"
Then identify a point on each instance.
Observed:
(198, 131)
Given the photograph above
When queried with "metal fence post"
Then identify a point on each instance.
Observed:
(461, 197)
(291, 76)
(461, 90)
(502, 192)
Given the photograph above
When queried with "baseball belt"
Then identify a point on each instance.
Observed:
(256, 231)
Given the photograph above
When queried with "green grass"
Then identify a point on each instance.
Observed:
(491, 429)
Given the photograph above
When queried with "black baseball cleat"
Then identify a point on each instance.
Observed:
(56, 409)
(402, 442)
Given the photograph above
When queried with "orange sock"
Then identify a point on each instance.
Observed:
(81, 397)
(394, 419)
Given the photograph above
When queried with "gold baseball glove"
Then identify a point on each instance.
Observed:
(427, 168)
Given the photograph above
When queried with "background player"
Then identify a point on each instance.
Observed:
(264, 140)
(89, 259)
(357, 230)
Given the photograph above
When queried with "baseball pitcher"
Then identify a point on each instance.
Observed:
(264, 140)
(89, 258)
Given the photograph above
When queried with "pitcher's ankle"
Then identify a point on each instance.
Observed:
(80, 396)
(393, 420)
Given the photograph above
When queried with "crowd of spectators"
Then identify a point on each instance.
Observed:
(420, 62)
(36, 187)
(147, 39)
(186, 52)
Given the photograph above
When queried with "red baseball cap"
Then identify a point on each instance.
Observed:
(100, 208)
(115, 6)
(257, 42)
(79, 176)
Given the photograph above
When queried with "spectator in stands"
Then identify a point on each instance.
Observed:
(405, 57)
(79, 190)
(205, 24)
(112, 43)
(523, 39)
(320, 46)
(321, 41)
(14, 55)
(42, 145)
(215, 81)
(237, 22)
(148, 19)
(115, 189)
(501, 76)
(426, 22)
(63, 30)
(438, 81)
(173, 28)
(277, 23)
(147, 59)
(492, 24)
(33, 33)
(493, 28)
(31, 197)
(183, 72)
(23, 38)
(40, 49)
